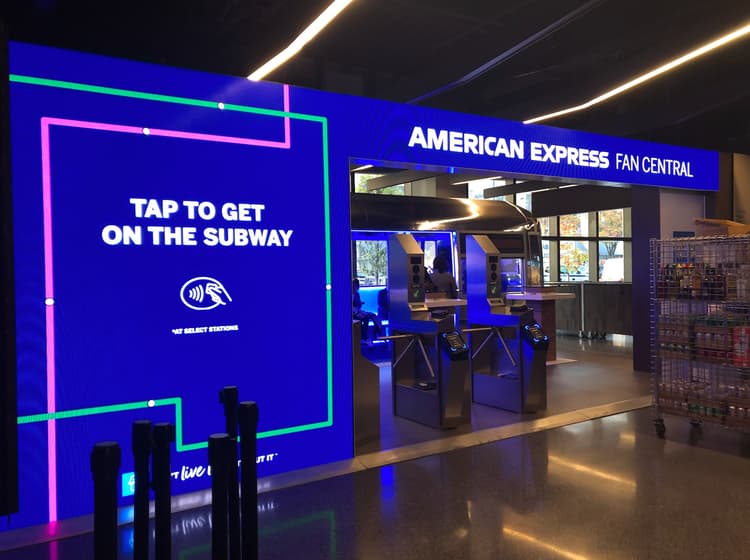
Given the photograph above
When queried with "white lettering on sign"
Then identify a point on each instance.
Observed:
(240, 237)
(466, 143)
(197, 210)
(653, 165)
(581, 157)
(509, 148)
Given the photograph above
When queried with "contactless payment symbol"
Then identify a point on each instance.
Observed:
(203, 293)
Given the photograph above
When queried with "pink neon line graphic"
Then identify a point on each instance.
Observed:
(46, 122)
(215, 138)
(50, 326)
(287, 126)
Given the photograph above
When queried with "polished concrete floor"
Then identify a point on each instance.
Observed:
(592, 489)
(602, 489)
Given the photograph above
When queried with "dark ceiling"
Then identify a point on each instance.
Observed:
(538, 55)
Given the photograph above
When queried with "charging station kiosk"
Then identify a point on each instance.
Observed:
(430, 368)
(508, 348)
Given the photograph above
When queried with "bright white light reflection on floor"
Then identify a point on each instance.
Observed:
(542, 544)
(554, 459)
(579, 428)
(622, 340)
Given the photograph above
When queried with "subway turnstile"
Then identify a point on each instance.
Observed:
(508, 349)
(430, 366)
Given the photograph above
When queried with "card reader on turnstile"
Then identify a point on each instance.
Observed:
(430, 367)
(508, 349)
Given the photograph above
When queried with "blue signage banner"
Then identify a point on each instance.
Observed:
(168, 246)
(177, 232)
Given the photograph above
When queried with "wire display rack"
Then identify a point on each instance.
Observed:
(700, 330)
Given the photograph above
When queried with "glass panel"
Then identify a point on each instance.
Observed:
(360, 181)
(611, 261)
(430, 252)
(511, 275)
(476, 188)
(395, 189)
(360, 184)
(524, 200)
(544, 223)
(372, 263)
(574, 260)
(574, 225)
(545, 256)
(611, 223)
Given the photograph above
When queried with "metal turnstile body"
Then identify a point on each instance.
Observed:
(508, 349)
(430, 366)
(366, 395)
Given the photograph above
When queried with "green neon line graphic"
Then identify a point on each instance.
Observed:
(20, 79)
(177, 401)
(85, 412)
(174, 401)
(329, 306)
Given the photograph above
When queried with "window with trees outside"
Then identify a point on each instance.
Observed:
(372, 262)
(360, 184)
(588, 247)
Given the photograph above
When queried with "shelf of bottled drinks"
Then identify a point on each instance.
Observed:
(700, 327)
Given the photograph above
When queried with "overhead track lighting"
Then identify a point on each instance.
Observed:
(663, 69)
(320, 22)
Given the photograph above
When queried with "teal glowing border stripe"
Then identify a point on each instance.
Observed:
(139, 405)
(21, 79)
(88, 88)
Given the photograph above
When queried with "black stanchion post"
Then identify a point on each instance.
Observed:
(248, 415)
(219, 446)
(105, 466)
(229, 397)
(142, 442)
(161, 474)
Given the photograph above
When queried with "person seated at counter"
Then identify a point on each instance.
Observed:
(441, 279)
(364, 317)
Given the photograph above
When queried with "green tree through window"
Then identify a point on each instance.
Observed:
(372, 262)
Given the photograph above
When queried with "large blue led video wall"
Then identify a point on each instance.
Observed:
(176, 232)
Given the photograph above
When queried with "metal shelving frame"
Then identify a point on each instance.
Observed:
(700, 330)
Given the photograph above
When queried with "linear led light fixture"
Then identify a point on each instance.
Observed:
(362, 168)
(318, 24)
(663, 69)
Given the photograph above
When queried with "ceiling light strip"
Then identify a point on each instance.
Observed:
(664, 68)
(320, 22)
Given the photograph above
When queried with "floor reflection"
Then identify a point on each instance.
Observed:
(601, 489)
